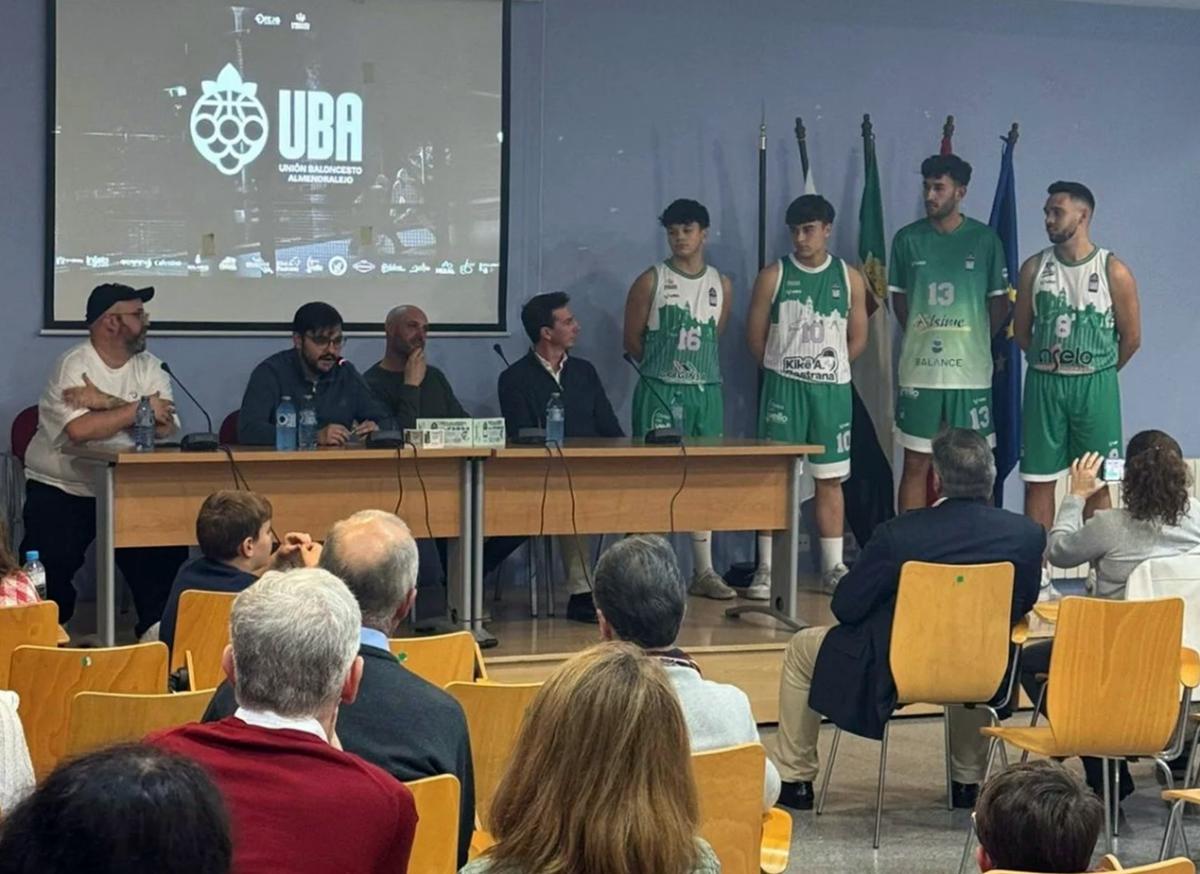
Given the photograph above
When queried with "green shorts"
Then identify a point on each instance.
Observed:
(703, 408)
(794, 411)
(1062, 417)
(922, 412)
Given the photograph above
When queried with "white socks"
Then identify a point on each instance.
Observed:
(831, 553)
(701, 552)
(764, 552)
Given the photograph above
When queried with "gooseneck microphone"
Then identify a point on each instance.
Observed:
(197, 441)
(670, 435)
(499, 351)
(534, 436)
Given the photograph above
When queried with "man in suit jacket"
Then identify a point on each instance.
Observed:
(843, 671)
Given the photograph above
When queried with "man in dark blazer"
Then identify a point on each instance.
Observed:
(400, 722)
(842, 671)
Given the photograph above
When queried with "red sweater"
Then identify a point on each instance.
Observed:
(297, 804)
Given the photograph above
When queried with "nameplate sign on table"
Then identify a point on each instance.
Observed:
(425, 438)
(458, 433)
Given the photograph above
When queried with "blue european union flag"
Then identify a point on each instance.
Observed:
(1006, 355)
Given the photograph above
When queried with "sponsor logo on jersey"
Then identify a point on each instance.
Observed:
(712, 297)
(1056, 357)
(822, 367)
(836, 290)
(669, 284)
(776, 414)
(920, 263)
(1094, 283)
(933, 321)
(970, 262)
(936, 346)
(909, 392)
(1048, 270)
(943, 363)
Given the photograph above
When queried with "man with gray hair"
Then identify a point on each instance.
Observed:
(842, 671)
(640, 598)
(296, 800)
(412, 388)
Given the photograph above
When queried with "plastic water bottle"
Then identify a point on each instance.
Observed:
(308, 423)
(36, 572)
(143, 426)
(676, 412)
(556, 420)
(285, 425)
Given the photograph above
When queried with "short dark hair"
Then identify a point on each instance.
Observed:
(1074, 190)
(226, 518)
(1038, 816)
(641, 591)
(684, 212)
(809, 208)
(314, 316)
(946, 165)
(538, 312)
(964, 463)
(124, 808)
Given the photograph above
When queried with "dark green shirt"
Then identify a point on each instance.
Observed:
(432, 399)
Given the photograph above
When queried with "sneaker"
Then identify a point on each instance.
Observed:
(797, 796)
(760, 586)
(833, 576)
(708, 584)
(581, 608)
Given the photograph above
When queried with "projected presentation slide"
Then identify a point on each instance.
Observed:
(246, 159)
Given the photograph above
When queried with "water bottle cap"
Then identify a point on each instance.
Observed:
(286, 398)
(31, 555)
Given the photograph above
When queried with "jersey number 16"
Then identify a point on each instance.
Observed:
(689, 339)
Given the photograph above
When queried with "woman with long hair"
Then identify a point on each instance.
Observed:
(600, 781)
(15, 587)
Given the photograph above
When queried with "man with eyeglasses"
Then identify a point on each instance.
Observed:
(92, 397)
(346, 408)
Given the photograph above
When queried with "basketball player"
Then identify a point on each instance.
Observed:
(807, 322)
(674, 314)
(949, 289)
(1077, 317)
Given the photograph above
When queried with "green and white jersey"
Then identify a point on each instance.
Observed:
(947, 279)
(806, 339)
(679, 344)
(1074, 331)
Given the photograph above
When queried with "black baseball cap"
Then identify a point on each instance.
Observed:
(104, 296)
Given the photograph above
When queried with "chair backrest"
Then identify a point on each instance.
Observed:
(1178, 865)
(435, 845)
(100, 719)
(1113, 687)
(24, 426)
(202, 628)
(48, 678)
(951, 631)
(442, 658)
(229, 430)
(495, 713)
(729, 783)
(1177, 576)
(27, 625)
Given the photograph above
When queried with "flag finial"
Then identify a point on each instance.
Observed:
(868, 130)
(948, 127)
(800, 131)
(1013, 134)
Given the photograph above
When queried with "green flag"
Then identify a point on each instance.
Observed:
(872, 246)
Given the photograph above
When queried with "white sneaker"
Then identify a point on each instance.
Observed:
(833, 576)
(708, 584)
(760, 586)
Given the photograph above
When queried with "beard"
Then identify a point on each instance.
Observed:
(1063, 234)
(137, 343)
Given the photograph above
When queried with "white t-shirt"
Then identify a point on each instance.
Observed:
(44, 461)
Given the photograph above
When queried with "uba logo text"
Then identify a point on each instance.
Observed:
(230, 125)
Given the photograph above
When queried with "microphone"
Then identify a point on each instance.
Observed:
(670, 435)
(198, 441)
(496, 348)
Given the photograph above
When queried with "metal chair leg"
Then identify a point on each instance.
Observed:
(1172, 818)
(532, 575)
(946, 732)
(987, 772)
(1106, 778)
(837, 736)
(879, 792)
(1166, 770)
(549, 575)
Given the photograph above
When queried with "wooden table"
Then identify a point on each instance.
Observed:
(625, 485)
(152, 499)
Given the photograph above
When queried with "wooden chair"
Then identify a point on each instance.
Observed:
(101, 719)
(27, 625)
(951, 645)
(1112, 690)
(1110, 863)
(495, 712)
(434, 849)
(441, 658)
(48, 678)
(729, 783)
(202, 628)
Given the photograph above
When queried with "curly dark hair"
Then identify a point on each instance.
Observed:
(1156, 478)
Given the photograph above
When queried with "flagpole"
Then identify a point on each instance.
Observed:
(802, 145)
(762, 192)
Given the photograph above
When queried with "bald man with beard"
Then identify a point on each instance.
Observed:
(410, 387)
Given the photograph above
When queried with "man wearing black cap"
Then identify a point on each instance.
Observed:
(91, 397)
(346, 408)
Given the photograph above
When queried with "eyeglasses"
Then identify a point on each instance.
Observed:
(140, 315)
(337, 341)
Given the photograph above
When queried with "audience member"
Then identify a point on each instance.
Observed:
(641, 597)
(91, 398)
(1037, 816)
(233, 529)
(601, 776)
(15, 587)
(400, 722)
(411, 387)
(843, 672)
(346, 408)
(121, 809)
(297, 801)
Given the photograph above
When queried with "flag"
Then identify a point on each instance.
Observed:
(1006, 356)
(810, 187)
(868, 491)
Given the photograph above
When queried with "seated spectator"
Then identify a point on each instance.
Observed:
(1159, 520)
(121, 809)
(15, 588)
(400, 722)
(235, 537)
(1037, 816)
(563, 805)
(640, 598)
(298, 803)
